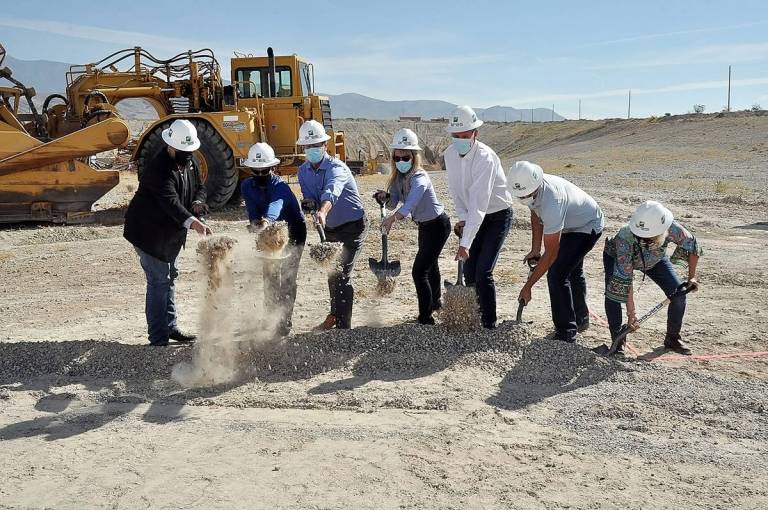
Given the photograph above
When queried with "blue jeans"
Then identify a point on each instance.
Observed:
(664, 275)
(160, 305)
(567, 285)
(483, 254)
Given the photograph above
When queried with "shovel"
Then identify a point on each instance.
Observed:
(604, 350)
(384, 268)
(532, 263)
(459, 277)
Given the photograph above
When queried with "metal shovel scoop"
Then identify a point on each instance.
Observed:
(532, 263)
(384, 268)
(459, 277)
(620, 338)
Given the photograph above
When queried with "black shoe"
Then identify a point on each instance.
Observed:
(564, 338)
(160, 343)
(583, 326)
(283, 330)
(673, 343)
(490, 325)
(437, 305)
(428, 321)
(182, 338)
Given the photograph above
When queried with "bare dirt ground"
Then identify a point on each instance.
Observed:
(391, 414)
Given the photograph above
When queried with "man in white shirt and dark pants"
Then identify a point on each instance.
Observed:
(478, 186)
(569, 222)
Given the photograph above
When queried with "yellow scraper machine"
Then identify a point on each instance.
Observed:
(267, 99)
(46, 179)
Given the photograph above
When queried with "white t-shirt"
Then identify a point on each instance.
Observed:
(478, 186)
(563, 206)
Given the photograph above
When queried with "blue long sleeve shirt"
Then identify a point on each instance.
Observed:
(420, 201)
(332, 181)
(276, 202)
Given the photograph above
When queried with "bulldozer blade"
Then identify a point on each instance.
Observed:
(103, 136)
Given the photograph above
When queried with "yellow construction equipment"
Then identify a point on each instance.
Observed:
(267, 100)
(43, 179)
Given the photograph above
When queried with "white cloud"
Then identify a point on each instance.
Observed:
(118, 37)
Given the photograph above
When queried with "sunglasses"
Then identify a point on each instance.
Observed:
(400, 158)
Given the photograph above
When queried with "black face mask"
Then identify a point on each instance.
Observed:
(182, 158)
(262, 180)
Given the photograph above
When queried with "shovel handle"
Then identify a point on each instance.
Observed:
(320, 232)
(460, 275)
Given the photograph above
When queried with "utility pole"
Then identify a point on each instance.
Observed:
(531, 115)
(579, 109)
(728, 108)
(553, 114)
(629, 104)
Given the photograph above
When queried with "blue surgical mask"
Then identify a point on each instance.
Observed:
(403, 166)
(462, 145)
(314, 154)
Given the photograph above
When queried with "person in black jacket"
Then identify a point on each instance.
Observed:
(169, 201)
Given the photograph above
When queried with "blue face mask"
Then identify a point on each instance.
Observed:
(462, 145)
(314, 154)
(403, 166)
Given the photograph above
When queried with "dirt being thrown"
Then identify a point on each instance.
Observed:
(326, 254)
(273, 238)
(385, 285)
(214, 251)
(460, 310)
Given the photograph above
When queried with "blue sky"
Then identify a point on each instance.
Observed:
(672, 54)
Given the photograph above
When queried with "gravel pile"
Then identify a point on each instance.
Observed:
(273, 238)
(22, 361)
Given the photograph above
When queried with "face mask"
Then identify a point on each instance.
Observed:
(403, 166)
(462, 145)
(527, 201)
(262, 180)
(314, 154)
(182, 158)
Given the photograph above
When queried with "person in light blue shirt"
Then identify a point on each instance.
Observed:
(269, 199)
(410, 184)
(330, 191)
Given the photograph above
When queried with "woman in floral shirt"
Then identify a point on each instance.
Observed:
(642, 245)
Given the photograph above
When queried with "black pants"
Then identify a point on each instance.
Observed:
(567, 285)
(426, 272)
(280, 277)
(351, 235)
(483, 254)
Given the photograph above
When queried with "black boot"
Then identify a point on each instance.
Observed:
(182, 338)
(674, 343)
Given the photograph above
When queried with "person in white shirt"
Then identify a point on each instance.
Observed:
(478, 186)
(569, 222)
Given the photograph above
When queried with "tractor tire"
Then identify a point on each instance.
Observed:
(214, 159)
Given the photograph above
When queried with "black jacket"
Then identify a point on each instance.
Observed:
(154, 221)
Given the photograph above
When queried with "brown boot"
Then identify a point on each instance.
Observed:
(328, 323)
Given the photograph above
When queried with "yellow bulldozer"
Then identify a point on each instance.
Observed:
(47, 179)
(267, 99)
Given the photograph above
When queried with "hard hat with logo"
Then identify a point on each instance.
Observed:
(182, 136)
(261, 155)
(650, 219)
(312, 132)
(463, 119)
(405, 139)
(524, 178)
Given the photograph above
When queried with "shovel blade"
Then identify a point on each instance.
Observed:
(383, 268)
(601, 350)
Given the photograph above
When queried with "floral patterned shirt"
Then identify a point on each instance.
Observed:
(629, 255)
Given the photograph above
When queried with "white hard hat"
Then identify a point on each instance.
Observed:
(405, 139)
(182, 136)
(261, 155)
(524, 178)
(650, 219)
(312, 132)
(463, 119)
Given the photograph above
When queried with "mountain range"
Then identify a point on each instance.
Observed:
(48, 77)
